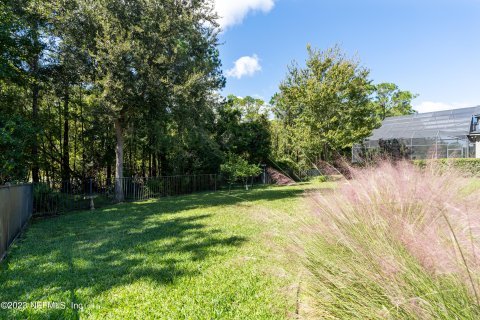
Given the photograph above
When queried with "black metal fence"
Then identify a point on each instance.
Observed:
(15, 210)
(57, 197)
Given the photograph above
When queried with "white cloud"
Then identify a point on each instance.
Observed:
(233, 12)
(430, 106)
(245, 66)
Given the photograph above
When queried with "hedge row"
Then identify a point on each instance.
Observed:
(466, 165)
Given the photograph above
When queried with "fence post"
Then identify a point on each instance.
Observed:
(146, 192)
(264, 173)
(134, 188)
(30, 200)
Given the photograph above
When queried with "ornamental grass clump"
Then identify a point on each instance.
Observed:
(397, 242)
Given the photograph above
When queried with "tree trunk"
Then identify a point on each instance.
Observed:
(35, 93)
(154, 164)
(149, 163)
(144, 165)
(109, 174)
(75, 131)
(163, 164)
(66, 153)
(119, 162)
(82, 134)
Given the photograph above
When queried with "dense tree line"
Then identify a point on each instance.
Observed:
(108, 88)
(111, 89)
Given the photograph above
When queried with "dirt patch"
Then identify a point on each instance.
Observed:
(279, 178)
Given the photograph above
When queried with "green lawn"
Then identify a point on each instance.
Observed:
(202, 256)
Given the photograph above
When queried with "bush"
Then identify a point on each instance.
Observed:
(467, 166)
(15, 143)
(319, 179)
(45, 199)
(394, 149)
(237, 168)
(396, 242)
(154, 186)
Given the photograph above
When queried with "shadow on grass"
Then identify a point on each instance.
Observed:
(227, 198)
(93, 252)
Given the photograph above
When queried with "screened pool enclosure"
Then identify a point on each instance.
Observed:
(440, 134)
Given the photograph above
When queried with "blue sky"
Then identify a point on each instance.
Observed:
(431, 48)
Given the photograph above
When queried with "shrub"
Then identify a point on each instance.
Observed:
(15, 142)
(396, 242)
(466, 166)
(238, 168)
(319, 179)
(154, 186)
(45, 199)
(394, 149)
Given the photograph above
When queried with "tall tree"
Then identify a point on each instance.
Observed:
(152, 54)
(27, 60)
(325, 106)
(391, 101)
(72, 66)
(81, 71)
(243, 128)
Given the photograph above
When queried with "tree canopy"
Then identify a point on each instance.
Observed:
(111, 84)
(391, 101)
(243, 128)
(238, 168)
(113, 89)
(325, 106)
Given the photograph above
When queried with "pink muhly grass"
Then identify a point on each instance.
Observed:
(396, 217)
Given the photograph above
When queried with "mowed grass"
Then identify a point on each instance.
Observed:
(202, 256)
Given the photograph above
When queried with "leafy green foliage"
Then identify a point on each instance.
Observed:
(324, 107)
(470, 167)
(45, 198)
(237, 168)
(74, 68)
(388, 149)
(15, 143)
(394, 149)
(243, 128)
(78, 70)
(390, 101)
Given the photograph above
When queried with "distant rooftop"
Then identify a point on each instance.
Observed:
(448, 123)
